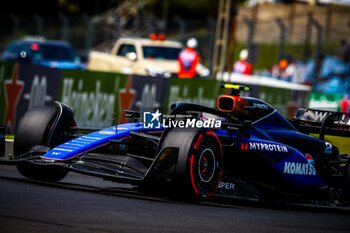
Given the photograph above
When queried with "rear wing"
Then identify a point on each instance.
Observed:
(322, 122)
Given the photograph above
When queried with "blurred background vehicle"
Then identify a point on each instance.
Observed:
(155, 56)
(309, 37)
(271, 30)
(305, 35)
(39, 51)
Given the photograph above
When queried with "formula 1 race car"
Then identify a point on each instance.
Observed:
(245, 148)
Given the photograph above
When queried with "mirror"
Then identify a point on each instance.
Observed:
(23, 56)
(131, 56)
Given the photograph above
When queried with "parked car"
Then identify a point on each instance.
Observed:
(39, 51)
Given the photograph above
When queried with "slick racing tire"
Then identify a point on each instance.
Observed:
(199, 166)
(34, 129)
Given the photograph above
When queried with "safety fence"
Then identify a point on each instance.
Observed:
(96, 96)
(270, 31)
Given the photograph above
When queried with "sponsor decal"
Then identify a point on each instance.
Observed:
(63, 149)
(13, 90)
(41, 86)
(310, 160)
(151, 93)
(328, 149)
(74, 144)
(192, 123)
(319, 116)
(228, 186)
(148, 98)
(92, 107)
(107, 132)
(178, 93)
(153, 120)
(126, 96)
(344, 120)
(293, 168)
(244, 146)
(261, 106)
(81, 141)
(56, 153)
(264, 147)
(38, 92)
(88, 137)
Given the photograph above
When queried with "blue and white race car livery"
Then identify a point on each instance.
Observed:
(242, 149)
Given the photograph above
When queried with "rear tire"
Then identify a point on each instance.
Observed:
(34, 129)
(199, 166)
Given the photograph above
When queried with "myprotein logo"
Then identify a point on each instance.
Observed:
(264, 147)
(293, 168)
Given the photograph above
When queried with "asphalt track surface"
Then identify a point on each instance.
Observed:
(87, 204)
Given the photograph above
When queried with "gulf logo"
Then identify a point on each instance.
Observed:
(107, 132)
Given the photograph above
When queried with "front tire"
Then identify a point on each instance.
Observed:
(199, 166)
(35, 129)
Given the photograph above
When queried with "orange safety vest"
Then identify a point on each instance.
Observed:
(345, 105)
(188, 60)
(242, 67)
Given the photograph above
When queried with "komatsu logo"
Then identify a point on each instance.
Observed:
(299, 169)
(264, 146)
